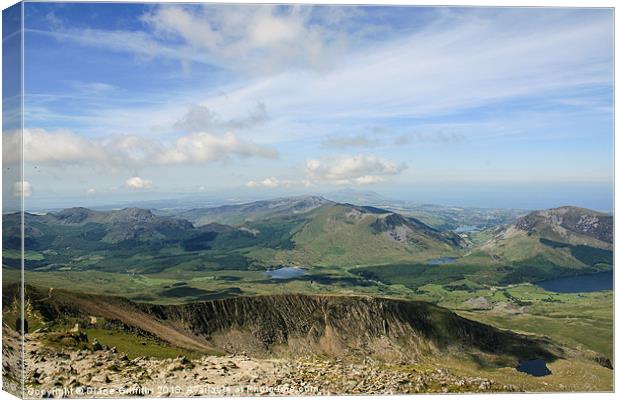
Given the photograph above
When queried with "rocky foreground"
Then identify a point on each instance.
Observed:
(107, 373)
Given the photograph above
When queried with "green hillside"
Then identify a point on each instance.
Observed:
(239, 214)
(341, 247)
(566, 237)
(349, 235)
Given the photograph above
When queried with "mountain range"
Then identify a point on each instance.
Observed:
(309, 231)
(312, 277)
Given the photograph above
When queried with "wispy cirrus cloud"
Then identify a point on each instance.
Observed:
(251, 39)
(389, 138)
(93, 87)
(212, 84)
(439, 136)
(453, 65)
(459, 60)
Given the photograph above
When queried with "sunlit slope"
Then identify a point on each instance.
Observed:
(322, 232)
(239, 214)
(565, 236)
(344, 234)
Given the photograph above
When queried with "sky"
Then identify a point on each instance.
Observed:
(490, 107)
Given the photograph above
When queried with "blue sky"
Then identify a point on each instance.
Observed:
(487, 107)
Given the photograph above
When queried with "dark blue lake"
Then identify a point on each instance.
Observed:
(286, 273)
(441, 261)
(580, 283)
(535, 367)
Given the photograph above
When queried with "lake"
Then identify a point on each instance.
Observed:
(286, 273)
(441, 261)
(580, 283)
(535, 367)
(466, 229)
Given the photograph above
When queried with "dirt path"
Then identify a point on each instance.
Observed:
(134, 317)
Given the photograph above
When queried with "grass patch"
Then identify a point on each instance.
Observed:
(586, 254)
(137, 346)
(416, 275)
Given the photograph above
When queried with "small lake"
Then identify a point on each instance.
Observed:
(466, 229)
(535, 367)
(580, 283)
(286, 273)
(441, 261)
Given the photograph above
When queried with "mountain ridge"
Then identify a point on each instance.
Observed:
(562, 236)
(575, 220)
(335, 325)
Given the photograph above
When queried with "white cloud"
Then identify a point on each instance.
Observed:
(202, 119)
(140, 43)
(250, 38)
(368, 179)
(253, 39)
(363, 169)
(22, 189)
(455, 63)
(91, 191)
(203, 147)
(68, 148)
(451, 62)
(269, 183)
(456, 60)
(136, 182)
(360, 169)
(62, 147)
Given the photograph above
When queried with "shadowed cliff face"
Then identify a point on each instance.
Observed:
(306, 324)
(344, 325)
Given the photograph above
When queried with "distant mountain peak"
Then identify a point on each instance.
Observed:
(74, 215)
(238, 214)
(313, 197)
(307, 198)
(349, 195)
(367, 209)
(571, 219)
(134, 213)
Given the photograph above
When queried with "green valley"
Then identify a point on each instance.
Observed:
(492, 275)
